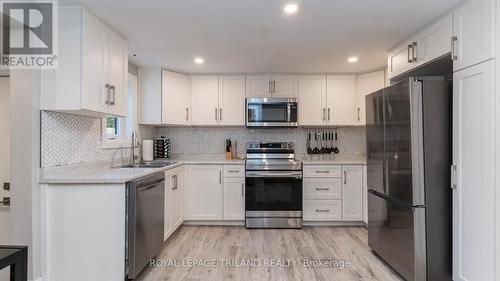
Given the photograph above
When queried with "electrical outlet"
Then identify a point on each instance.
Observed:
(6, 186)
(6, 201)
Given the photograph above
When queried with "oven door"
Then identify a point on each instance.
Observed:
(267, 112)
(273, 194)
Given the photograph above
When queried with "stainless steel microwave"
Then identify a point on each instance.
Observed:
(271, 112)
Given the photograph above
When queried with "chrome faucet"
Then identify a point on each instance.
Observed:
(133, 146)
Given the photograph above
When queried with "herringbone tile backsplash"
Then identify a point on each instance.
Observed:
(212, 139)
(70, 139)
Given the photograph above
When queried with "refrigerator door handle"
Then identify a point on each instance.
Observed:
(417, 145)
(453, 174)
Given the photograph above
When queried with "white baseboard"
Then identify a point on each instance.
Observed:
(215, 223)
(333, 223)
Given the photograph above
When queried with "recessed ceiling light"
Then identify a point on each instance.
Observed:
(291, 8)
(199, 60)
(352, 59)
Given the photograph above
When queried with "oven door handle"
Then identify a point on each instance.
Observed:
(273, 174)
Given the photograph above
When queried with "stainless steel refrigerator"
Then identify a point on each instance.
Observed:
(408, 129)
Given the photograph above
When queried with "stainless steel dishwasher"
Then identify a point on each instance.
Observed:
(145, 221)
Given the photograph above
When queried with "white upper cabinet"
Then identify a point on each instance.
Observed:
(312, 96)
(399, 60)
(277, 86)
(92, 73)
(430, 43)
(205, 100)
(175, 98)
(473, 33)
(434, 41)
(341, 100)
(232, 100)
(285, 86)
(366, 84)
(258, 86)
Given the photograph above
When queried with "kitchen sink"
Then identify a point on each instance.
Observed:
(148, 165)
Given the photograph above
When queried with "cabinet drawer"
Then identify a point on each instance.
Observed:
(234, 171)
(322, 210)
(322, 188)
(322, 171)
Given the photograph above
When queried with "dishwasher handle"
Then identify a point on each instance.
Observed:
(150, 185)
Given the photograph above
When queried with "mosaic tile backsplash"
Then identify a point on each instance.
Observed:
(212, 139)
(71, 139)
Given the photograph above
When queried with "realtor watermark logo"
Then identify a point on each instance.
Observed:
(29, 34)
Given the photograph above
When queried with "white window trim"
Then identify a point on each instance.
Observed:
(125, 140)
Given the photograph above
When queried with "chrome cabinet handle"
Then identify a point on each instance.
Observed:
(345, 177)
(220, 177)
(242, 190)
(324, 114)
(112, 89)
(174, 179)
(319, 189)
(410, 50)
(107, 86)
(233, 171)
(322, 210)
(187, 113)
(269, 87)
(414, 52)
(453, 176)
(359, 118)
(454, 40)
(220, 114)
(328, 114)
(274, 86)
(215, 114)
(322, 172)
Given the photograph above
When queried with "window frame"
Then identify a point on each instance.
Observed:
(123, 139)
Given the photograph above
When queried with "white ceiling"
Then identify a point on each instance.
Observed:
(256, 36)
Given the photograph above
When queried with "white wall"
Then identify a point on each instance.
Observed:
(25, 151)
(4, 165)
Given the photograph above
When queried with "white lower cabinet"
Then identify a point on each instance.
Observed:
(203, 200)
(333, 193)
(322, 210)
(174, 203)
(352, 193)
(234, 198)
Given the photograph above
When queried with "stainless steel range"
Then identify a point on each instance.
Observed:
(273, 192)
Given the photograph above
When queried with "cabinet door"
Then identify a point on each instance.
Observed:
(117, 74)
(312, 95)
(366, 84)
(232, 100)
(473, 28)
(434, 41)
(474, 159)
(341, 100)
(234, 198)
(178, 179)
(204, 198)
(149, 105)
(169, 201)
(285, 86)
(399, 60)
(352, 193)
(258, 86)
(175, 98)
(205, 100)
(94, 62)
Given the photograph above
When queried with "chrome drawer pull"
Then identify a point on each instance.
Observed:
(322, 172)
(233, 171)
(317, 188)
(322, 210)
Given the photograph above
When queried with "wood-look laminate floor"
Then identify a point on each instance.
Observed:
(235, 253)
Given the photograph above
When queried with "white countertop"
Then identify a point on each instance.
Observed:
(103, 172)
(345, 159)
